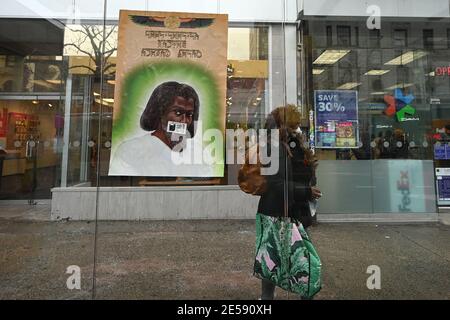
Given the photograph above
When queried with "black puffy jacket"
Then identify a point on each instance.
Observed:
(290, 188)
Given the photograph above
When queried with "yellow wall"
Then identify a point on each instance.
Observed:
(250, 68)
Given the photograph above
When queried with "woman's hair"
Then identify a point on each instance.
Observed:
(285, 118)
(162, 97)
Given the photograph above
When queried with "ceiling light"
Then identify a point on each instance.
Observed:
(106, 102)
(348, 85)
(35, 102)
(406, 58)
(400, 86)
(375, 72)
(318, 71)
(378, 93)
(113, 82)
(52, 81)
(330, 56)
(96, 94)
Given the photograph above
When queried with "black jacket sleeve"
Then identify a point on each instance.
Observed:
(302, 192)
(283, 189)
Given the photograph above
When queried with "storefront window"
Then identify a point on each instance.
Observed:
(392, 72)
(32, 80)
(67, 213)
(247, 99)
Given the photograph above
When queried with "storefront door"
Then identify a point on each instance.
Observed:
(31, 141)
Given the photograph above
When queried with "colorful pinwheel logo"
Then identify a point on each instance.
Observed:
(399, 105)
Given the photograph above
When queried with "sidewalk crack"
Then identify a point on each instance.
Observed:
(420, 245)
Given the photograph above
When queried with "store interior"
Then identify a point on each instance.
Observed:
(31, 144)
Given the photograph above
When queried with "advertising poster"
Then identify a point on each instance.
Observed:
(169, 99)
(403, 186)
(443, 186)
(441, 151)
(406, 181)
(336, 114)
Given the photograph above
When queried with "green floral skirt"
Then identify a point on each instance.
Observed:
(286, 256)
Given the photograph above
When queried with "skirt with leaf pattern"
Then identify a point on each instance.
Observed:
(286, 256)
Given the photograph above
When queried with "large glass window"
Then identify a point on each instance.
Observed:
(247, 93)
(44, 134)
(392, 71)
(32, 78)
(69, 230)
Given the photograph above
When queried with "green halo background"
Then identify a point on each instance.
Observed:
(138, 82)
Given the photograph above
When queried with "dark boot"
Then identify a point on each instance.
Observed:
(267, 290)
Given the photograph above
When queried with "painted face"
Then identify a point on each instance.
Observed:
(181, 110)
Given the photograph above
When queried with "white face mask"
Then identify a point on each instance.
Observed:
(179, 128)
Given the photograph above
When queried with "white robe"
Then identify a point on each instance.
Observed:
(149, 156)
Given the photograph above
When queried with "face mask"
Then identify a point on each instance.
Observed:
(176, 127)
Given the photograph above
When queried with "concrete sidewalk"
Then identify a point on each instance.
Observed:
(211, 259)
